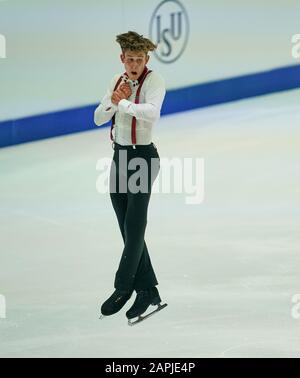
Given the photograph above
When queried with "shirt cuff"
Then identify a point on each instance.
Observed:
(124, 105)
(108, 106)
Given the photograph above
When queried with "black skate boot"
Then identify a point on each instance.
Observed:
(115, 302)
(144, 299)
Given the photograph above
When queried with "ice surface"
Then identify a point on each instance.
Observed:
(227, 267)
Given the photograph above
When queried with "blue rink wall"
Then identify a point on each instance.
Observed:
(16, 131)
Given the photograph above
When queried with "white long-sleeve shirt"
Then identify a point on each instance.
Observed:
(147, 112)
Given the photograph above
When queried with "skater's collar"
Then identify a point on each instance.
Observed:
(140, 78)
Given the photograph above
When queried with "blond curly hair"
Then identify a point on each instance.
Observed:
(135, 42)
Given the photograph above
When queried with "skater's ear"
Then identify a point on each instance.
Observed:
(122, 57)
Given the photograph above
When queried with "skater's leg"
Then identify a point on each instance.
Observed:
(118, 199)
(134, 228)
(119, 202)
(145, 276)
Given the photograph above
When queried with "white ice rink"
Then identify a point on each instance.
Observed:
(228, 267)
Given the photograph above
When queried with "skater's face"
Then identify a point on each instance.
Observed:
(134, 63)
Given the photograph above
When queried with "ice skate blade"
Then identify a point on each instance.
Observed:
(141, 317)
(102, 316)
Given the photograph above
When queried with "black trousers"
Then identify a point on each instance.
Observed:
(135, 271)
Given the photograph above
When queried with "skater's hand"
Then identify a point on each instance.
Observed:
(125, 89)
(117, 96)
(123, 92)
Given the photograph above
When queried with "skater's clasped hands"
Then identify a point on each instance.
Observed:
(123, 92)
(126, 89)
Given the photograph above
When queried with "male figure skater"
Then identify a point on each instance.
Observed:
(133, 101)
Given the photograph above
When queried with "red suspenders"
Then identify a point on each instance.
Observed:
(137, 101)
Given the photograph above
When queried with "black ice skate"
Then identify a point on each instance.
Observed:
(115, 302)
(143, 300)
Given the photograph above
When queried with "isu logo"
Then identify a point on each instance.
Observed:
(169, 29)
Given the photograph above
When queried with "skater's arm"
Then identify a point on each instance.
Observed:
(150, 110)
(106, 109)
